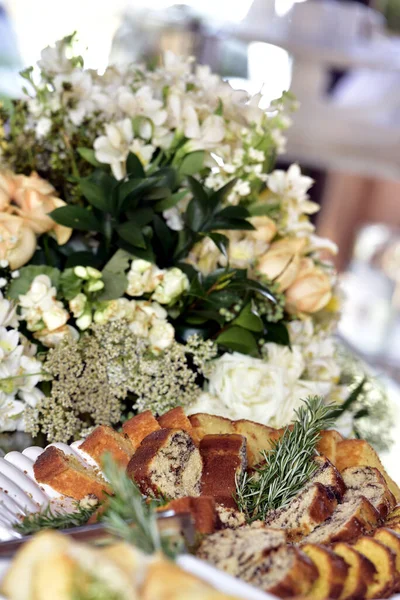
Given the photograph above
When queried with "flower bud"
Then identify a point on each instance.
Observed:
(93, 273)
(310, 291)
(84, 321)
(94, 286)
(281, 262)
(81, 272)
(77, 305)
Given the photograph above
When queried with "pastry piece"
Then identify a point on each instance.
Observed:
(202, 509)
(168, 463)
(384, 561)
(104, 439)
(240, 551)
(68, 475)
(175, 419)
(327, 445)
(368, 482)
(224, 462)
(354, 517)
(229, 517)
(204, 424)
(391, 539)
(332, 572)
(259, 437)
(312, 505)
(355, 453)
(140, 426)
(360, 572)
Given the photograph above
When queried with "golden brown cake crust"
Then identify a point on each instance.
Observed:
(361, 571)
(332, 572)
(202, 510)
(384, 561)
(299, 580)
(175, 419)
(140, 426)
(56, 469)
(224, 459)
(105, 439)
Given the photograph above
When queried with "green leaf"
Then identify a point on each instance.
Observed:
(141, 216)
(233, 212)
(199, 317)
(192, 163)
(221, 241)
(158, 193)
(89, 155)
(93, 194)
(199, 192)
(71, 285)
(195, 215)
(132, 234)
(114, 277)
(217, 197)
(22, 284)
(75, 217)
(238, 339)
(249, 319)
(134, 166)
(353, 396)
(231, 224)
(277, 333)
(170, 202)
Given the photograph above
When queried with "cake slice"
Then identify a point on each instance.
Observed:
(224, 462)
(354, 517)
(229, 518)
(313, 505)
(167, 463)
(332, 572)
(356, 453)
(204, 424)
(360, 572)
(202, 510)
(104, 439)
(68, 476)
(384, 561)
(140, 426)
(175, 419)
(259, 437)
(391, 539)
(327, 445)
(368, 482)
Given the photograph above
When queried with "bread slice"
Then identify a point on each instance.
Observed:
(168, 463)
(313, 505)
(204, 424)
(285, 572)
(332, 572)
(105, 439)
(368, 482)
(354, 517)
(68, 476)
(391, 539)
(224, 462)
(242, 550)
(175, 419)
(360, 572)
(327, 445)
(384, 561)
(140, 426)
(259, 437)
(202, 510)
(355, 453)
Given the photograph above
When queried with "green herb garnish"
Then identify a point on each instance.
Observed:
(55, 519)
(288, 465)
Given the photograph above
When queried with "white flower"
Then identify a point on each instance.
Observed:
(54, 59)
(173, 218)
(176, 65)
(77, 305)
(11, 413)
(8, 313)
(43, 126)
(161, 336)
(173, 284)
(142, 104)
(290, 183)
(114, 147)
(205, 136)
(79, 94)
(143, 277)
(51, 339)
(39, 307)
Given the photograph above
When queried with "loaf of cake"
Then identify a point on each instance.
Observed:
(327, 445)
(175, 419)
(259, 438)
(368, 482)
(105, 439)
(360, 572)
(384, 561)
(140, 426)
(204, 424)
(312, 505)
(167, 463)
(354, 517)
(224, 462)
(68, 476)
(332, 572)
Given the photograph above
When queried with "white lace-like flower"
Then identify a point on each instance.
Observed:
(39, 307)
(172, 285)
(113, 147)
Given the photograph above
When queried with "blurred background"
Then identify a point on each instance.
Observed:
(342, 61)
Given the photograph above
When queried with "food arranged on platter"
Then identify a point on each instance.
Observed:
(326, 527)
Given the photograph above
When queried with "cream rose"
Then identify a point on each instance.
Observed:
(172, 285)
(35, 199)
(310, 291)
(17, 241)
(265, 229)
(281, 263)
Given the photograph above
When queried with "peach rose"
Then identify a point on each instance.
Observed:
(7, 187)
(35, 199)
(265, 229)
(311, 290)
(17, 240)
(281, 263)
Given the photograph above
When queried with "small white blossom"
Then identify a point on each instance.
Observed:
(173, 218)
(290, 183)
(40, 308)
(143, 277)
(173, 284)
(53, 60)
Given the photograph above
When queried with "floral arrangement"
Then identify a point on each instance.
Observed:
(151, 256)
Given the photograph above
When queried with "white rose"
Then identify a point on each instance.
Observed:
(290, 360)
(173, 284)
(161, 336)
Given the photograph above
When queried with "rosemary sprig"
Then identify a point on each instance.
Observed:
(133, 519)
(55, 519)
(288, 465)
